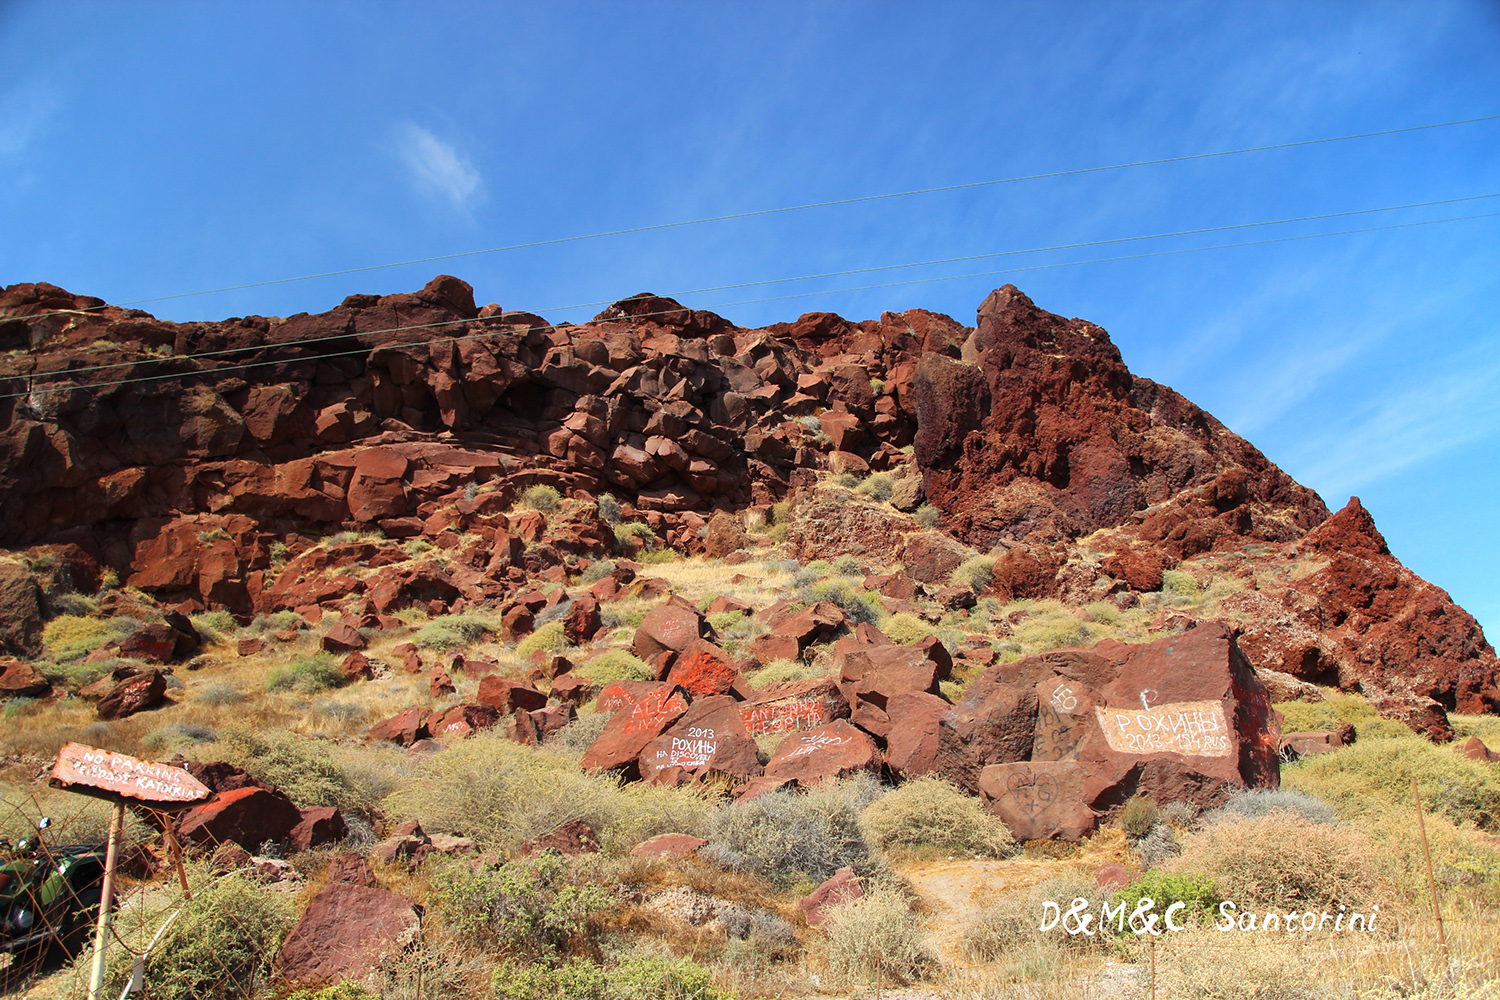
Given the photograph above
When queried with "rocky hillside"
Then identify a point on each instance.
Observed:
(207, 465)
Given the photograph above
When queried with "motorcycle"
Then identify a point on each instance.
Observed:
(49, 896)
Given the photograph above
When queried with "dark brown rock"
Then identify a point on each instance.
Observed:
(21, 680)
(346, 931)
(319, 825)
(20, 612)
(507, 695)
(668, 845)
(669, 628)
(710, 738)
(794, 706)
(572, 838)
(832, 751)
(342, 638)
(248, 816)
(404, 728)
(841, 887)
(631, 729)
(1039, 800)
(133, 694)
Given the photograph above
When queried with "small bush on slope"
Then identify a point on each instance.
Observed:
(307, 675)
(614, 665)
(549, 638)
(1375, 774)
(878, 936)
(502, 794)
(220, 948)
(452, 632)
(1282, 861)
(636, 978)
(788, 837)
(1261, 802)
(312, 772)
(534, 907)
(930, 812)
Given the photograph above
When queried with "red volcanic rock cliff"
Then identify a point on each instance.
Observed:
(180, 455)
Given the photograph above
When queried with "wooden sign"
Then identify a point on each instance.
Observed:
(108, 775)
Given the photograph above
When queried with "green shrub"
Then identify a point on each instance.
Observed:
(1261, 802)
(542, 498)
(536, 906)
(975, 573)
(930, 812)
(861, 606)
(906, 628)
(1375, 774)
(220, 947)
(847, 480)
(219, 695)
(215, 625)
(927, 516)
(310, 771)
(1139, 816)
(790, 837)
(723, 621)
(609, 508)
(176, 735)
(1104, 612)
(307, 675)
(1165, 888)
(1178, 583)
(598, 570)
(548, 638)
(615, 665)
(649, 978)
(877, 487)
(452, 632)
(847, 565)
(273, 622)
(580, 734)
(1054, 630)
(632, 529)
(877, 936)
(778, 671)
(69, 637)
(342, 991)
(502, 794)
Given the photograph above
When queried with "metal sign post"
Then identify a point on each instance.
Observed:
(118, 778)
(106, 898)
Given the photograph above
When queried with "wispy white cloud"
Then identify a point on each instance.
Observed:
(1457, 408)
(437, 168)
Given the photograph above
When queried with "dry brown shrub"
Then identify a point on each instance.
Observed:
(878, 936)
(1284, 861)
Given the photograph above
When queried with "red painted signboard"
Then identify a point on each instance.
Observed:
(106, 774)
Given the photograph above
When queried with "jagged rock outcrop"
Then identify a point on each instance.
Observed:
(201, 462)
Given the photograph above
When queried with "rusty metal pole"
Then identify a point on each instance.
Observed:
(106, 898)
(176, 850)
(1431, 882)
(1153, 969)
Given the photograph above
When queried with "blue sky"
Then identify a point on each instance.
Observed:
(150, 150)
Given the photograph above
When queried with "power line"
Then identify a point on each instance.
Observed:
(775, 298)
(832, 274)
(1074, 172)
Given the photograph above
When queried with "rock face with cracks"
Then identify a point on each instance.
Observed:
(1027, 432)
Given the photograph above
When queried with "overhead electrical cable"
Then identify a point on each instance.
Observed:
(755, 213)
(834, 274)
(510, 331)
